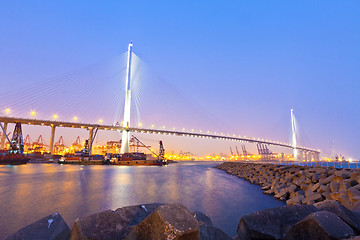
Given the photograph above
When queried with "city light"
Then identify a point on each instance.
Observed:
(100, 120)
(75, 118)
(7, 110)
(32, 113)
(55, 116)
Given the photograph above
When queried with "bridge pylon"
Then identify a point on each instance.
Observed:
(126, 123)
(293, 128)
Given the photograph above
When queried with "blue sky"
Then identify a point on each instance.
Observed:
(245, 62)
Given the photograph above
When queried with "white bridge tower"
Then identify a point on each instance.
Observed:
(126, 123)
(293, 127)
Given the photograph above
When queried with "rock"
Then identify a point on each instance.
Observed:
(327, 195)
(320, 225)
(295, 200)
(353, 192)
(324, 188)
(111, 224)
(270, 191)
(315, 187)
(334, 186)
(336, 195)
(343, 174)
(327, 180)
(351, 218)
(170, 221)
(202, 218)
(281, 194)
(211, 233)
(313, 198)
(356, 201)
(206, 230)
(50, 227)
(272, 223)
(343, 187)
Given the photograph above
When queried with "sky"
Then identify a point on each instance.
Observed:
(245, 64)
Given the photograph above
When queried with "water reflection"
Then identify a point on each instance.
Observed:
(32, 191)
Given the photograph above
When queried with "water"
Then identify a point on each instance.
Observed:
(30, 192)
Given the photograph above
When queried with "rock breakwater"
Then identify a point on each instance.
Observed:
(143, 222)
(301, 184)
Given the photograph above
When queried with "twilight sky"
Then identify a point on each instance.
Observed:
(243, 63)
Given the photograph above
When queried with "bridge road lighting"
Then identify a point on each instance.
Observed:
(55, 116)
(75, 118)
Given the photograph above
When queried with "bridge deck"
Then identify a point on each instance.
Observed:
(40, 122)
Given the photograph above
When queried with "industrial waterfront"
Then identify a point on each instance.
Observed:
(32, 191)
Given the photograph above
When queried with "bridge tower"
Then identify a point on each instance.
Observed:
(293, 127)
(126, 123)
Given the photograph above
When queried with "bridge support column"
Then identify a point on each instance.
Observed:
(3, 136)
(300, 155)
(52, 139)
(317, 156)
(91, 133)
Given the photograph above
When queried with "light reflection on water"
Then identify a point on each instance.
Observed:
(32, 191)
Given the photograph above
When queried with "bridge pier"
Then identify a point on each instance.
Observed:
(317, 156)
(52, 139)
(91, 133)
(300, 155)
(3, 136)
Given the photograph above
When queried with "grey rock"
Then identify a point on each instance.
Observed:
(170, 221)
(348, 216)
(202, 218)
(272, 223)
(211, 233)
(334, 186)
(52, 227)
(111, 224)
(322, 225)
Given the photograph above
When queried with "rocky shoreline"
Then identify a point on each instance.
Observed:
(301, 184)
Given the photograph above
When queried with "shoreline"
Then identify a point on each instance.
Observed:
(301, 184)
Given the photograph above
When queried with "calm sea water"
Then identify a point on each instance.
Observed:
(30, 192)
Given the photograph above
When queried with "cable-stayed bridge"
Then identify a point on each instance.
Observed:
(38, 92)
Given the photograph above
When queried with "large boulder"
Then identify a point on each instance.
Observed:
(272, 223)
(111, 224)
(208, 232)
(52, 227)
(348, 216)
(322, 225)
(170, 221)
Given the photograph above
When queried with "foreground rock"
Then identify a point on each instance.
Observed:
(272, 223)
(172, 221)
(148, 221)
(301, 184)
(320, 225)
(111, 224)
(328, 220)
(50, 227)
